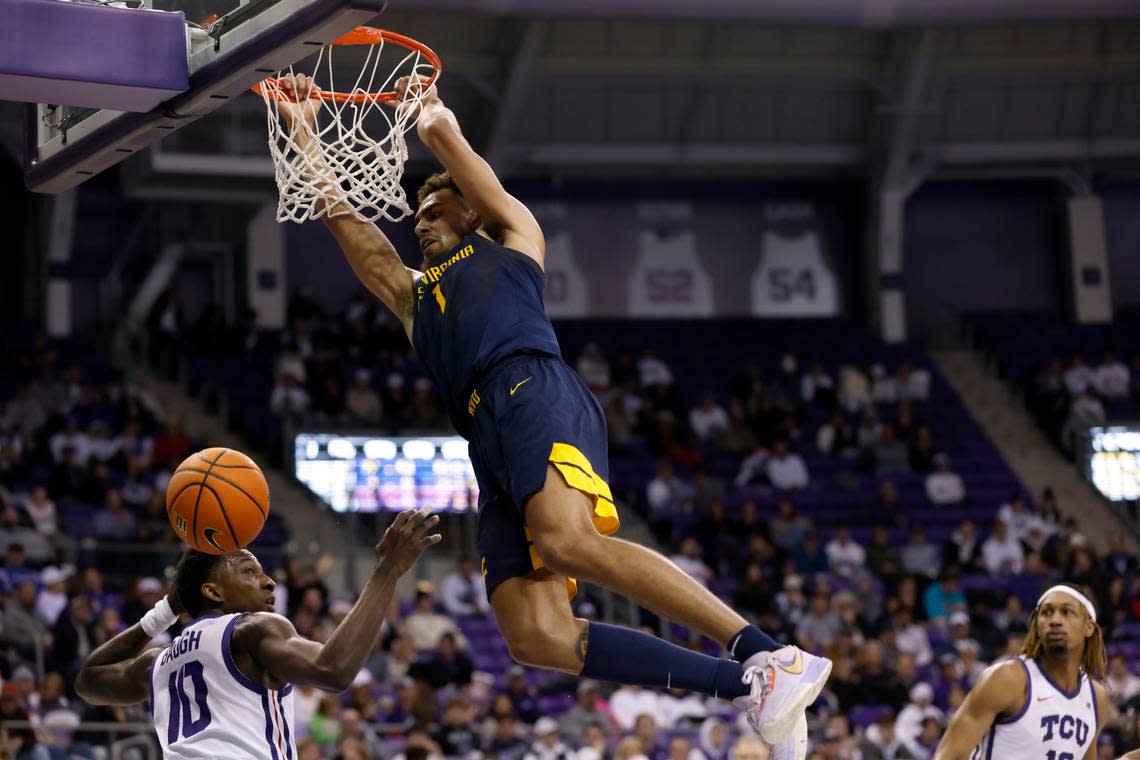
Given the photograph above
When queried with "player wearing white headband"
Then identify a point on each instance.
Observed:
(1048, 704)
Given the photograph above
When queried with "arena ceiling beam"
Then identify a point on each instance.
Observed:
(859, 13)
(517, 89)
(720, 154)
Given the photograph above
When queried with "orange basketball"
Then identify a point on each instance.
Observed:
(217, 500)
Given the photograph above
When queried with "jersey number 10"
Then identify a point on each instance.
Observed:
(1052, 755)
(180, 710)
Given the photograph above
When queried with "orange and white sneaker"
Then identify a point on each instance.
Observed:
(795, 744)
(783, 684)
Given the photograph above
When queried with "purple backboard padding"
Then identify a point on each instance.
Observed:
(91, 56)
(38, 171)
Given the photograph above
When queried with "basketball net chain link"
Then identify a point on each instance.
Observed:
(343, 163)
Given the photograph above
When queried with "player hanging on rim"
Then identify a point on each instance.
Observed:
(538, 444)
(223, 688)
(1048, 704)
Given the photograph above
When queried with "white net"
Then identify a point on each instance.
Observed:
(336, 166)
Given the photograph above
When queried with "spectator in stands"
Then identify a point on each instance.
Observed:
(921, 452)
(845, 556)
(919, 556)
(463, 592)
(585, 712)
(817, 387)
(1112, 378)
(23, 411)
(1118, 562)
(424, 409)
(424, 626)
(447, 666)
(909, 725)
(114, 522)
(455, 734)
(1087, 411)
(594, 369)
(836, 438)
(328, 403)
(547, 744)
(289, 398)
(963, 548)
(754, 467)
(708, 419)
(52, 598)
(787, 526)
(1002, 553)
(71, 438)
(820, 624)
(944, 487)
(913, 384)
(667, 495)
(1079, 377)
(652, 371)
(869, 431)
(171, 444)
(645, 731)
(72, 636)
(883, 557)
(874, 682)
(689, 558)
(754, 594)
(507, 742)
(41, 510)
(737, 438)
(1017, 517)
(713, 739)
(942, 599)
(884, 388)
(786, 469)
(97, 597)
(749, 748)
(68, 477)
(363, 403)
(628, 702)
(890, 454)
(523, 696)
(23, 628)
(809, 557)
(910, 637)
(854, 388)
(1123, 685)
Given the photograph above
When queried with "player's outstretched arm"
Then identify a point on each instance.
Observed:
(1000, 691)
(118, 672)
(504, 217)
(369, 252)
(276, 647)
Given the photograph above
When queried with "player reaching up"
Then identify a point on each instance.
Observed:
(223, 688)
(1048, 704)
(538, 445)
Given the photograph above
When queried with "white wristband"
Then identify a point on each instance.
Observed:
(158, 619)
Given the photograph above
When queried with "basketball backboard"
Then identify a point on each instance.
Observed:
(231, 44)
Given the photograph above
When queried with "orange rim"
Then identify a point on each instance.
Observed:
(361, 35)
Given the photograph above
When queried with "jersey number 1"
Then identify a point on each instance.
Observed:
(180, 711)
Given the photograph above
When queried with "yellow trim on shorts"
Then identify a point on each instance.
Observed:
(579, 474)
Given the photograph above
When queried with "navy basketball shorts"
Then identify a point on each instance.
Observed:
(529, 412)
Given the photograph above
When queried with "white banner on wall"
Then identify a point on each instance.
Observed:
(668, 279)
(567, 290)
(793, 278)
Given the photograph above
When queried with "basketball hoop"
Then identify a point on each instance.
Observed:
(344, 163)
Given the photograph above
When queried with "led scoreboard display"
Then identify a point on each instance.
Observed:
(368, 474)
(1112, 461)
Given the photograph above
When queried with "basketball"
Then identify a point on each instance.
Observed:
(217, 500)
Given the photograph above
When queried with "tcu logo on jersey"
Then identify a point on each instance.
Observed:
(1066, 727)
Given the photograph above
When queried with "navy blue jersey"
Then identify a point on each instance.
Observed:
(481, 304)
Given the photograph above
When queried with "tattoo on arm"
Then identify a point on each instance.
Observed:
(583, 642)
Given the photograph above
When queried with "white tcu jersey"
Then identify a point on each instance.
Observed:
(1053, 724)
(204, 707)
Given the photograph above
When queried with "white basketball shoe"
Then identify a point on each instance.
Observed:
(795, 744)
(783, 684)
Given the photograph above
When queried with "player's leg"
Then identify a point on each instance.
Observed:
(558, 518)
(534, 615)
(560, 522)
